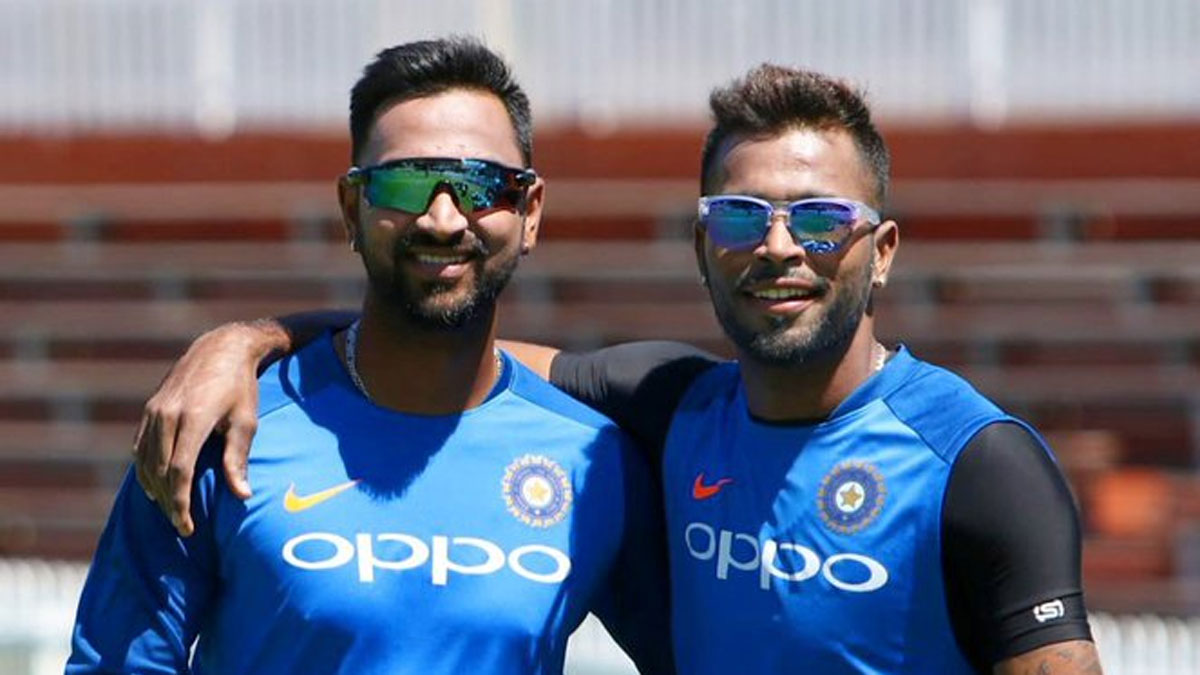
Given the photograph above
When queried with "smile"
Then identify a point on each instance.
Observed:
(781, 293)
(441, 259)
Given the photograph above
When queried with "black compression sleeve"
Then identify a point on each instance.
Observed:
(1010, 549)
(638, 385)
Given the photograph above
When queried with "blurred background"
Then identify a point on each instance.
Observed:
(166, 165)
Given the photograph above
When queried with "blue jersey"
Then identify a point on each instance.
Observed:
(816, 548)
(380, 542)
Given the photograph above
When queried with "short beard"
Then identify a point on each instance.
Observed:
(777, 346)
(399, 295)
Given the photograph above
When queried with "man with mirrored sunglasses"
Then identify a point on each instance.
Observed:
(424, 503)
(832, 505)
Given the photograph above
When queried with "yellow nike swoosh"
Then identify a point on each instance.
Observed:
(293, 503)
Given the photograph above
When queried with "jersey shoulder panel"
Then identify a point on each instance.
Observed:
(720, 381)
(528, 386)
(942, 408)
(298, 376)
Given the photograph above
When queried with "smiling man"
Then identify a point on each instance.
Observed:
(400, 525)
(833, 506)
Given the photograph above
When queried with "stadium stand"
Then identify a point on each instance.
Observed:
(1061, 282)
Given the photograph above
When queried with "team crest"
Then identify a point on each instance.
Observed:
(536, 490)
(851, 496)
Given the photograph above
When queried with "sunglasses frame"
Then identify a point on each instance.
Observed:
(521, 179)
(860, 210)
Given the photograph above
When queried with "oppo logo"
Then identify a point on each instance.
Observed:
(444, 556)
(850, 572)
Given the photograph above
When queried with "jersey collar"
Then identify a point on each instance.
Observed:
(888, 379)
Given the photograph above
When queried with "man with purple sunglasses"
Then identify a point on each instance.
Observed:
(832, 505)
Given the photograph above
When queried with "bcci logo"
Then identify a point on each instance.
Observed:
(851, 496)
(536, 490)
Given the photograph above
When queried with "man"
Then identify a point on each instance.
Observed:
(399, 525)
(832, 506)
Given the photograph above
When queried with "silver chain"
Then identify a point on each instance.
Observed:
(352, 361)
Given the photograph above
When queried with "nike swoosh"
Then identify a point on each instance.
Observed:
(702, 491)
(294, 503)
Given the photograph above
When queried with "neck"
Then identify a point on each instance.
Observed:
(414, 369)
(813, 389)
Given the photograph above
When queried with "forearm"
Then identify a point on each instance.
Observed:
(535, 357)
(267, 339)
(1076, 657)
(304, 327)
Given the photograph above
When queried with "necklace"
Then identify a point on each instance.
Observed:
(352, 361)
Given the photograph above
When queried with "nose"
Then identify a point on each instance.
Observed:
(779, 245)
(442, 219)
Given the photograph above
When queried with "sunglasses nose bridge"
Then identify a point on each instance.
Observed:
(778, 241)
(443, 217)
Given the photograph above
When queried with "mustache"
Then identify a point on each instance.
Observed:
(758, 275)
(460, 243)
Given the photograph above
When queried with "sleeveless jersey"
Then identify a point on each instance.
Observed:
(816, 547)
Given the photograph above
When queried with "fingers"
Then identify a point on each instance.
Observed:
(178, 498)
(152, 449)
(139, 449)
(214, 380)
(237, 451)
(161, 461)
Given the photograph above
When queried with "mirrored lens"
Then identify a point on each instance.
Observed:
(821, 226)
(477, 185)
(736, 223)
(400, 189)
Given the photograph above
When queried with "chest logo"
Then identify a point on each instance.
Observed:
(294, 503)
(851, 496)
(702, 491)
(536, 490)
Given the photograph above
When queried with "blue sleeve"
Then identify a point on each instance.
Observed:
(148, 590)
(634, 606)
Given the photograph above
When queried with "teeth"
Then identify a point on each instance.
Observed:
(432, 259)
(779, 294)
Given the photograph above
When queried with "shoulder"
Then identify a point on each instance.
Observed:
(941, 407)
(1006, 456)
(545, 399)
(718, 382)
(298, 376)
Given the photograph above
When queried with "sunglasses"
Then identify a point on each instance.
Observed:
(408, 185)
(820, 225)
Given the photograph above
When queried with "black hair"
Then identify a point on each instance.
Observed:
(418, 69)
(771, 99)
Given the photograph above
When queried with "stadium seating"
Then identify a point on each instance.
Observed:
(1062, 282)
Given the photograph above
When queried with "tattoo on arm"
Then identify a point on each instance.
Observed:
(1077, 657)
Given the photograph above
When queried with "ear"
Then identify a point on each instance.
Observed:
(887, 240)
(349, 193)
(531, 220)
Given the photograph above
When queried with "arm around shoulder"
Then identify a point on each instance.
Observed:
(213, 386)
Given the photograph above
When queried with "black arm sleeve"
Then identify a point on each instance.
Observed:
(638, 385)
(1010, 549)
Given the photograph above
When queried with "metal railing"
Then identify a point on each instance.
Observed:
(217, 65)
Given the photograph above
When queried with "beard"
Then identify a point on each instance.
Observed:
(440, 306)
(785, 344)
